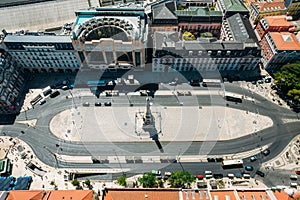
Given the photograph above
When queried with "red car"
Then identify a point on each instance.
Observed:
(200, 177)
(297, 172)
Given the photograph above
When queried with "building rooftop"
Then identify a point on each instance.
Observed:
(172, 40)
(241, 29)
(285, 41)
(50, 195)
(138, 194)
(234, 6)
(38, 38)
(198, 11)
(270, 6)
(279, 20)
(25, 195)
(164, 10)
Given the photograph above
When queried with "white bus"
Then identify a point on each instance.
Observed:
(233, 97)
(226, 164)
(212, 82)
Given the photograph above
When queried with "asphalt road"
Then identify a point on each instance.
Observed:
(44, 143)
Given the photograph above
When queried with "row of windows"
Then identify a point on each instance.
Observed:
(203, 60)
(237, 67)
(44, 53)
(48, 65)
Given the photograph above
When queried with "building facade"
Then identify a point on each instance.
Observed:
(111, 37)
(274, 24)
(11, 84)
(236, 49)
(279, 49)
(41, 53)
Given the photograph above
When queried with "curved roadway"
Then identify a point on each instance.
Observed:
(44, 144)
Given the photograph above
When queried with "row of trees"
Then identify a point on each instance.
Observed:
(178, 179)
(288, 81)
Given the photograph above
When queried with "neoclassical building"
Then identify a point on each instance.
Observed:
(111, 37)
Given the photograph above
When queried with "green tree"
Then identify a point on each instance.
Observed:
(122, 180)
(288, 81)
(75, 182)
(148, 180)
(87, 182)
(52, 183)
(160, 183)
(180, 179)
(188, 36)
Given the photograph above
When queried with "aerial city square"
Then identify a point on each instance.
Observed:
(153, 99)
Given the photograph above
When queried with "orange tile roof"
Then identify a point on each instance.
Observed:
(222, 194)
(251, 193)
(270, 6)
(285, 41)
(282, 195)
(70, 194)
(25, 195)
(278, 21)
(196, 195)
(138, 194)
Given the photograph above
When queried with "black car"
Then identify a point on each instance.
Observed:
(54, 94)
(218, 176)
(98, 104)
(260, 173)
(107, 103)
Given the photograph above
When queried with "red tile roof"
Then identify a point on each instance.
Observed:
(282, 195)
(140, 194)
(223, 194)
(285, 41)
(70, 194)
(279, 20)
(270, 6)
(25, 195)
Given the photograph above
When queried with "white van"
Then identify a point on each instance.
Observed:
(293, 177)
(246, 175)
(294, 185)
(208, 172)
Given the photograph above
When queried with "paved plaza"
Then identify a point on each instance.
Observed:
(182, 123)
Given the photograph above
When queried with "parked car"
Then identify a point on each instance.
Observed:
(98, 104)
(200, 176)
(249, 168)
(65, 87)
(253, 158)
(156, 172)
(238, 175)
(294, 185)
(218, 176)
(266, 152)
(86, 104)
(108, 103)
(43, 101)
(230, 176)
(54, 94)
(297, 172)
(260, 173)
(293, 177)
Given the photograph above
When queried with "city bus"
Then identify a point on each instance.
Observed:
(233, 97)
(211, 82)
(228, 164)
